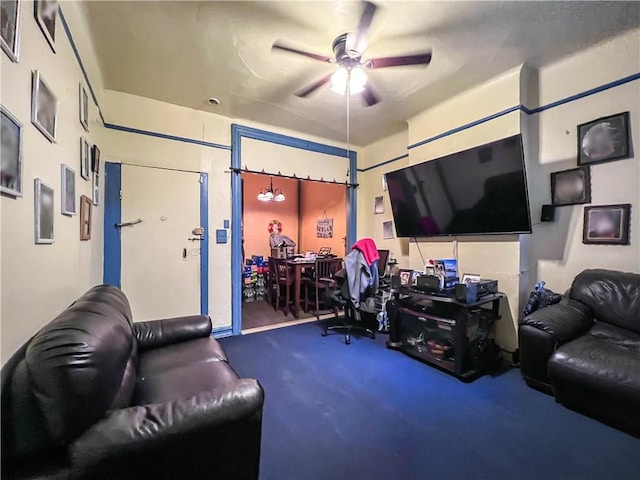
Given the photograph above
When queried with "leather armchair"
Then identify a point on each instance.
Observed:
(93, 395)
(586, 350)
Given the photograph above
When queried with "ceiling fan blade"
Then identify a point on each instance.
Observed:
(356, 41)
(280, 46)
(313, 87)
(385, 62)
(369, 95)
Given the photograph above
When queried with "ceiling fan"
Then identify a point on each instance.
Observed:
(348, 49)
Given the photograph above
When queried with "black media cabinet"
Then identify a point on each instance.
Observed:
(451, 335)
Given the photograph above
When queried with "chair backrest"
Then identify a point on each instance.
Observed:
(327, 267)
(382, 263)
(281, 269)
(272, 269)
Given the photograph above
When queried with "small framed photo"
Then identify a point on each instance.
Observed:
(385, 187)
(604, 139)
(95, 188)
(11, 154)
(571, 187)
(43, 212)
(378, 206)
(84, 158)
(84, 108)
(44, 107)
(46, 13)
(387, 230)
(10, 28)
(406, 277)
(68, 187)
(413, 281)
(606, 224)
(471, 278)
(95, 159)
(85, 217)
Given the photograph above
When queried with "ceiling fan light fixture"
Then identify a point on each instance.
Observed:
(356, 77)
(279, 197)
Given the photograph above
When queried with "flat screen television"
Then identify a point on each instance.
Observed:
(479, 191)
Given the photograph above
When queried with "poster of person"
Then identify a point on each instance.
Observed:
(46, 13)
(44, 107)
(604, 139)
(68, 194)
(606, 224)
(43, 212)
(571, 187)
(11, 154)
(324, 228)
(9, 28)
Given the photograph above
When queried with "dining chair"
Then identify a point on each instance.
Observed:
(283, 283)
(316, 287)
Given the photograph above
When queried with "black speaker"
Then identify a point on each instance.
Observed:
(548, 213)
(395, 283)
(467, 292)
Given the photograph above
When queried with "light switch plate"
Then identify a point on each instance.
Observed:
(221, 236)
(225, 223)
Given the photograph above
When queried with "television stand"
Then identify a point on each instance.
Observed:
(453, 336)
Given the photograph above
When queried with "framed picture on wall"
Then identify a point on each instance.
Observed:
(68, 190)
(606, 224)
(387, 230)
(43, 212)
(10, 28)
(44, 107)
(95, 159)
(604, 139)
(46, 14)
(84, 158)
(11, 151)
(378, 205)
(95, 188)
(85, 217)
(571, 187)
(84, 108)
(385, 187)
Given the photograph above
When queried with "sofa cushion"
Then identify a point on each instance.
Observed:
(614, 297)
(182, 370)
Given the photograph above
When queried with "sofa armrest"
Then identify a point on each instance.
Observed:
(564, 321)
(158, 333)
(151, 432)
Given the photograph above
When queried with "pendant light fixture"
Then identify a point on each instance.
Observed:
(271, 195)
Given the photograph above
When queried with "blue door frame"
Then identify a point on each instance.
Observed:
(238, 132)
(112, 268)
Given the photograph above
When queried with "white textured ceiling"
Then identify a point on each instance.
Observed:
(184, 52)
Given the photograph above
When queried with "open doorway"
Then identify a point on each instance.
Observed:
(300, 219)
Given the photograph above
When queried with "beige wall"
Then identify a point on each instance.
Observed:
(39, 281)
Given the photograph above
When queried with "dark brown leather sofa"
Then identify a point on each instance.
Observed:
(93, 395)
(586, 349)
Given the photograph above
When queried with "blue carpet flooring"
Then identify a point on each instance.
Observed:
(365, 412)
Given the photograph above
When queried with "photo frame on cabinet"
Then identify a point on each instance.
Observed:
(83, 105)
(85, 217)
(604, 140)
(10, 28)
(11, 151)
(46, 14)
(571, 187)
(606, 224)
(95, 188)
(68, 190)
(95, 159)
(84, 158)
(44, 107)
(43, 212)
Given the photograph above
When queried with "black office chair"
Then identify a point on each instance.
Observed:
(352, 319)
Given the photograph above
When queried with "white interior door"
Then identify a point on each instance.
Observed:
(160, 271)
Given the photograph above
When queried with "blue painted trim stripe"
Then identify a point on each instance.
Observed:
(166, 136)
(578, 96)
(112, 215)
(352, 200)
(236, 232)
(65, 25)
(222, 332)
(288, 141)
(465, 127)
(400, 157)
(204, 245)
